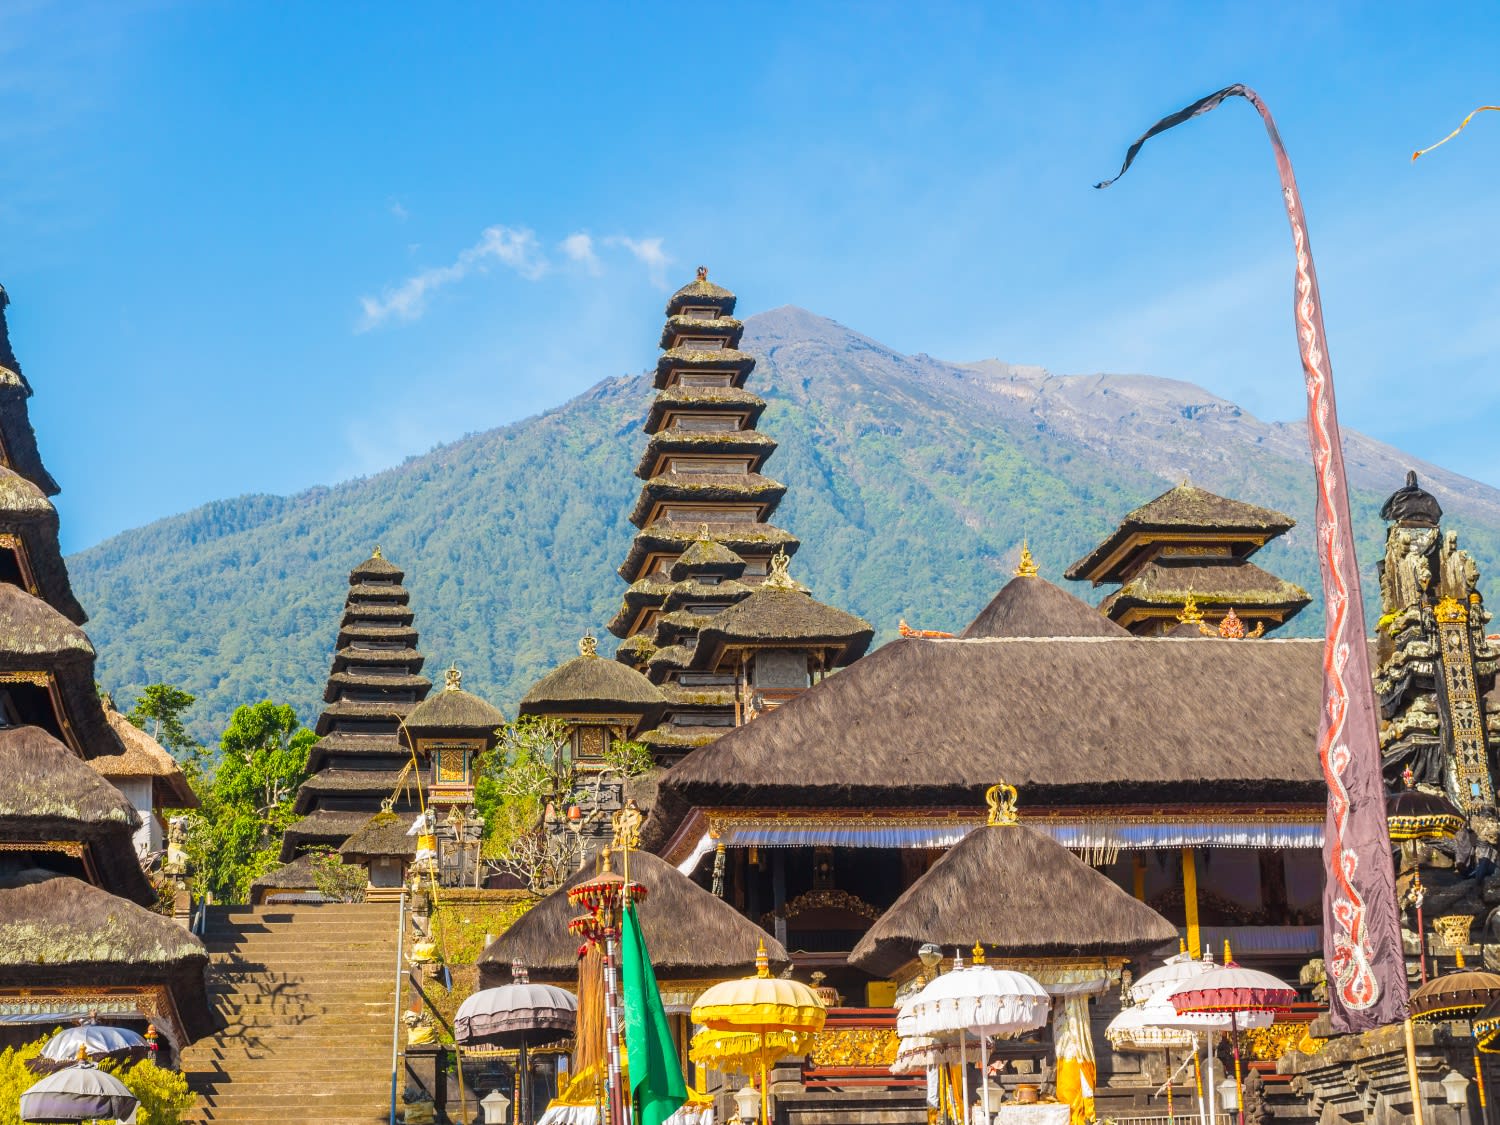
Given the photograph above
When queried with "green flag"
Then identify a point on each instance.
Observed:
(656, 1084)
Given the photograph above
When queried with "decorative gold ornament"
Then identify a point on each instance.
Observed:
(1026, 568)
(375, 554)
(854, 1046)
(1450, 610)
(452, 678)
(588, 645)
(1190, 614)
(1001, 799)
(627, 826)
(1232, 628)
(978, 951)
(1453, 929)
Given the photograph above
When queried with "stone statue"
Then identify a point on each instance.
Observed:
(1257, 1112)
(176, 863)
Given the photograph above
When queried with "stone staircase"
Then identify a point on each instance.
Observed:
(304, 995)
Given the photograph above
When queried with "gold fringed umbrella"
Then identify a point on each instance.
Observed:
(744, 1052)
(762, 1005)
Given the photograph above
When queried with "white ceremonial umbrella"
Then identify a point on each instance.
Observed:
(97, 1040)
(981, 999)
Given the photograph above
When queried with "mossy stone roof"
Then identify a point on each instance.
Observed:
(701, 293)
(384, 834)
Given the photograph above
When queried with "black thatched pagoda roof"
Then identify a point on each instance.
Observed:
(1019, 893)
(384, 834)
(1245, 587)
(720, 327)
(17, 438)
(773, 614)
(691, 933)
(1030, 606)
(453, 710)
(932, 722)
(56, 930)
(50, 794)
(702, 293)
(1185, 508)
(590, 683)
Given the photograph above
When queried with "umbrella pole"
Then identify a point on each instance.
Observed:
(1479, 1083)
(1171, 1076)
(963, 1054)
(1208, 1051)
(612, 1033)
(523, 1100)
(1198, 1081)
(1239, 1089)
(765, 1092)
(1411, 1074)
(984, 1074)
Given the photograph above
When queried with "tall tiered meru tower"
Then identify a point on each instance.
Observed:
(373, 685)
(706, 544)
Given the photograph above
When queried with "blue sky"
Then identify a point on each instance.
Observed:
(257, 247)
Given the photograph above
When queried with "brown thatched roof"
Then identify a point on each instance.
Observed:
(689, 932)
(391, 712)
(55, 930)
(39, 552)
(590, 683)
(294, 876)
(1241, 585)
(363, 593)
(364, 746)
(707, 556)
(49, 794)
(1181, 509)
(1021, 894)
(370, 678)
(17, 439)
(384, 834)
(1034, 607)
(142, 756)
(735, 488)
(736, 400)
(718, 327)
(673, 536)
(453, 710)
(774, 614)
(334, 781)
(933, 722)
(376, 568)
(701, 292)
(31, 629)
(325, 826)
(748, 443)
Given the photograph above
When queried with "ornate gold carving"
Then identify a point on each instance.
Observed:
(1001, 799)
(588, 645)
(627, 826)
(1232, 628)
(1449, 610)
(1026, 568)
(830, 898)
(1190, 613)
(978, 954)
(452, 678)
(1270, 1043)
(73, 848)
(36, 679)
(375, 554)
(854, 1046)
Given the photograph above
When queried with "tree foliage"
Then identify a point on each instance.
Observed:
(247, 801)
(161, 711)
(163, 1093)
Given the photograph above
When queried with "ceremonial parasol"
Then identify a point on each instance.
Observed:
(98, 1041)
(81, 1092)
(518, 1015)
(981, 999)
(744, 1052)
(764, 1005)
(1239, 993)
(1460, 995)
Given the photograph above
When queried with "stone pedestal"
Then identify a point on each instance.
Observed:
(1363, 1078)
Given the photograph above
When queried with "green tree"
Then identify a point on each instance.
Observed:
(160, 712)
(247, 803)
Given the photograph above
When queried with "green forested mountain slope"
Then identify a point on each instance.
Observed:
(911, 484)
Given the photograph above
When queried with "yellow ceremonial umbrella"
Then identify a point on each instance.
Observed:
(761, 1005)
(744, 1052)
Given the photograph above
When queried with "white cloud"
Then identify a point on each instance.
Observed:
(647, 251)
(399, 211)
(513, 247)
(579, 247)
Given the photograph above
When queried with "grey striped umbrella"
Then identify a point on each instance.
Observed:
(82, 1092)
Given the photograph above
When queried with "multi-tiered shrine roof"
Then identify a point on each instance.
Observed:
(374, 683)
(1190, 546)
(73, 930)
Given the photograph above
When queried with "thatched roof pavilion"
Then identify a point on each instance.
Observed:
(1020, 894)
(692, 934)
(141, 756)
(81, 935)
(50, 795)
